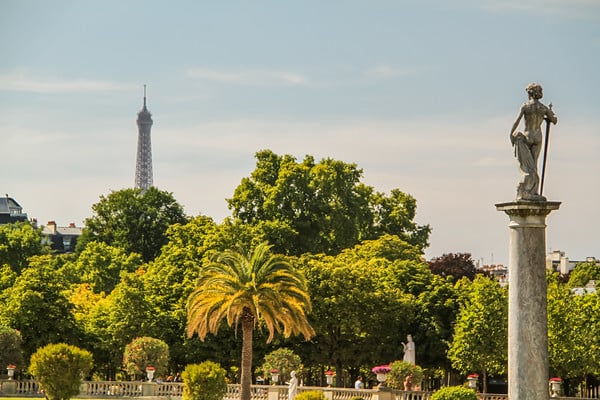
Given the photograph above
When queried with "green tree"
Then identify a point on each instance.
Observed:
(101, 265)
(135, 220)
(10, 347)
(18, 242)
(143, 352)
(284, 360)
(363, 298)
(38, 305)
(573, 333)
(59, 368)
(583, 273)
(320, 207)
(245, 289)
(481, 330)
(204, 381)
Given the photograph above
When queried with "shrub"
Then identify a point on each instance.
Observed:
(400, 370)
(205, 381)
(311, 395)
(454, 393)
(59, 369)
(283, 359)
(10, 345)
(146, 351)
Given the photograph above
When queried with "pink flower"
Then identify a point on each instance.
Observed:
(382, 369)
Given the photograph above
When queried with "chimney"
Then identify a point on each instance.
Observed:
(72, 225)
(52, 227)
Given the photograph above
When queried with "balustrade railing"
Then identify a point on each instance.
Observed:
(174, 390)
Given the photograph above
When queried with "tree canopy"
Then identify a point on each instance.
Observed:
(321, 207)
(135, 220)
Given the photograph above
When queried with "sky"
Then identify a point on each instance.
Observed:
(421, 95)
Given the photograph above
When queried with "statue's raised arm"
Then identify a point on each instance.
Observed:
(528, 143)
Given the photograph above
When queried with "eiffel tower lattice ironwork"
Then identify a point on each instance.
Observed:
(143, 166)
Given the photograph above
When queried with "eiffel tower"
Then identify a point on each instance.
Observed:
(143, 167)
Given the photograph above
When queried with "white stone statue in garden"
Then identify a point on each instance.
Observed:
(409, 350)
(293, 386)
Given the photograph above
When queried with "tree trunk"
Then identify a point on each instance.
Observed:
(485, 381)
(246, 374)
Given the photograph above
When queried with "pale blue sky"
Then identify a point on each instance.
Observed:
(420, 94)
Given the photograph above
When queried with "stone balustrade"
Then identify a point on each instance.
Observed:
(174, 390)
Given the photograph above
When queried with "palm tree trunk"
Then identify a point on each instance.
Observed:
(246, 375)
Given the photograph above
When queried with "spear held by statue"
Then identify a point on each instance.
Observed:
(545, 157)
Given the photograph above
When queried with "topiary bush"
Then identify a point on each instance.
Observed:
(400, 370)
(204, 381)
(59, 368)
(311, 395)
(454, 393)
(146, 351)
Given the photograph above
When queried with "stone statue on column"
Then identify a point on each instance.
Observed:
(528, 144)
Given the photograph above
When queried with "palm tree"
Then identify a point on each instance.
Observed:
(245, 289)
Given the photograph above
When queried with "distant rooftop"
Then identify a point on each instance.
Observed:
(10, 211)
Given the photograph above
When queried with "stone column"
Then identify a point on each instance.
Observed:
(527, 299)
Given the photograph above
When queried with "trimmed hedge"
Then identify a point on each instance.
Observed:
(454, 393)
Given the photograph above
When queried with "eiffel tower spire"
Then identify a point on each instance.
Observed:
(143, 167)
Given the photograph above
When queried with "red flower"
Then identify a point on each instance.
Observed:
(473, 376)
(555, 380)
(11, 366)
(274, 371)
(150, 368)
(330, 372)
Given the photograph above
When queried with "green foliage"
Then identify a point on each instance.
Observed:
(205, 381)
(10, 347)
(59, 368)
(311, 395)
(245, 289)
(101, 265)
(583, 273)
(358, 297)
(134, 220)
(143, 352)
(283, 359)
(18, 242)
(400, 370)
(320, 207)
(38, 306)
(481, 330)
(454, 393)
(573, 332)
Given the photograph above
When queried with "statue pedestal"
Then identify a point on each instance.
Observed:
(527, 299)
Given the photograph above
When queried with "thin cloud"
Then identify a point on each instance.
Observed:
(384, 71)
(20, 81)
(253, 77)
(564, 8)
